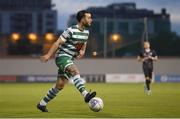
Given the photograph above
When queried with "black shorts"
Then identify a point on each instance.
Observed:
(148, 72)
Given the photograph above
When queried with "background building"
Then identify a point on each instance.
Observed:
(24, 17)
(122, 24)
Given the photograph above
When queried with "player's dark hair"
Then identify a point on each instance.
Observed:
(81, 14)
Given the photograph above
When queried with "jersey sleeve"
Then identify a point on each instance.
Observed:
(154, 54)
(66, 35)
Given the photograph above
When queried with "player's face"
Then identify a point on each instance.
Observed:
(87, 20)
(146, 45)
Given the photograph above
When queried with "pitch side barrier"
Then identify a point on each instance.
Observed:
(90, 78)
(49, 78)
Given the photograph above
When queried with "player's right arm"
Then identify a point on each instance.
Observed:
(61, 40)
(52, 50)
(140, 57)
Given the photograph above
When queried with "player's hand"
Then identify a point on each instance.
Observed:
(145, 59)
(45, 58)
(81, 54)
(152, 58)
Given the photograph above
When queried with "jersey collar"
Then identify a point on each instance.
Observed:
(80, 29)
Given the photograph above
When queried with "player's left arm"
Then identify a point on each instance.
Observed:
(154, 56)
(82, 51)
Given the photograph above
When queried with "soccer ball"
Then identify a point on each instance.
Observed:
(96, 104)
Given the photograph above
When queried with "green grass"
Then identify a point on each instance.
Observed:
(120, 100)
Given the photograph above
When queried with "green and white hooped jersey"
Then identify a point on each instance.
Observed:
(74, 40)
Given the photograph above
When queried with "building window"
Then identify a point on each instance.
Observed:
(21, 22)
(49, 30)
(137, 27)
(50, 23)
(48, 16)
(123, 27)
(40, 23)
(110, 26)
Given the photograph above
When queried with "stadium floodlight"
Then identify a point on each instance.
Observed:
(49, 37)
(94, 54)
(15, 37)
(115, 37)
(32, 37)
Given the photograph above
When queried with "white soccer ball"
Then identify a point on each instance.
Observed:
(96, 104)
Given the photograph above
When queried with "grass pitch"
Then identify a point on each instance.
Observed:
(120, 100)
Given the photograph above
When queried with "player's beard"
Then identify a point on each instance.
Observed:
(87, 25)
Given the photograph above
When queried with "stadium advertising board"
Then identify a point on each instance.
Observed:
(124, 78)
(167, 78)
(8, 78)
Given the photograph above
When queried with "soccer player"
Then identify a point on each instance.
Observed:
(70, 45)
(147, 56)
